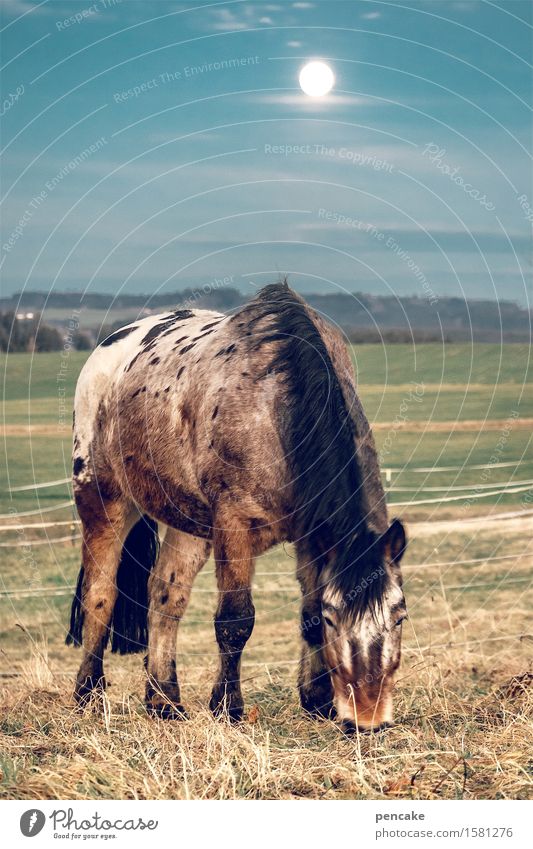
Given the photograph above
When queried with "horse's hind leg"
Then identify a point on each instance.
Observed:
(169, 587)
(105, 527)
(234, 619)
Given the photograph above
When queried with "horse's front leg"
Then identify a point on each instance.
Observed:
(234, 618)
(181, 558)
(314, 681)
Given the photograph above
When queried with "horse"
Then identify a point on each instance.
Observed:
(234, 433)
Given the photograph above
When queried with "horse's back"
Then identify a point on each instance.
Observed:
(103, 373)
(187, 414)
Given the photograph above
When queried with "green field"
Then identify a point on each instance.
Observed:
(464, 726)
(499, 386)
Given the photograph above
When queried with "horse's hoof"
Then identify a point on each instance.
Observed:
(320, 712)
(88, 690)
(166, 711)
(316, 707)
(224, 709)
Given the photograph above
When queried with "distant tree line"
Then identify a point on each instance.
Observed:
(217, 296)
(32, 334)
(365, 318)
(394, 336)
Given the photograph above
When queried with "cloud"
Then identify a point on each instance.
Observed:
(227, 20)
(17, 8)
(294, 44)
(306, 102)
(371, 16)
(241, 18)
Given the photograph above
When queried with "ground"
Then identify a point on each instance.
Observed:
(464, 695)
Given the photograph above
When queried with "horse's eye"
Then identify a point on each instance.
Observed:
(329, 622)
(400, 620)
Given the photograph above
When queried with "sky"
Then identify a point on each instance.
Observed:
(153, 146)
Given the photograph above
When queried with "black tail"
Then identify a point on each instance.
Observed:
(129, 625)
(73, 637)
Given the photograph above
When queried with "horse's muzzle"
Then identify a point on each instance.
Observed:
(350, 728)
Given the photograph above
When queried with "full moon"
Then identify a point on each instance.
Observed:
(316, 79)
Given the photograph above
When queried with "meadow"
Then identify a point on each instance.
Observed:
(453, 425)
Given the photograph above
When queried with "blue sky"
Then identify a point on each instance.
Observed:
(158, 145)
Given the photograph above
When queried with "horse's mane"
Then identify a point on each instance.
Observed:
(319, 434)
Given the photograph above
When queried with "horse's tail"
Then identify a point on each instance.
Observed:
(129, 624)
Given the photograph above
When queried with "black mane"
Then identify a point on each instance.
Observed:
(319, 439)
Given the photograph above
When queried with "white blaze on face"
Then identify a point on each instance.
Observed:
(347, 659)
(362, 658)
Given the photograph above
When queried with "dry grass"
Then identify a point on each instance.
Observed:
(451, 742)
(463, 706)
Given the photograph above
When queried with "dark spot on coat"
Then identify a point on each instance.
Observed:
(179, 341)
(100, 605)
(231, 456)
(215, 412)
(182, 314)
(134, 395)
(100, 416)
(164, 598)
(180, 372)
(78, 466)
(209, 326)
(245, 373)
(187, 348)
(172, 577)
(154, 361)
(227, 350)
(167, 389)
(155, 331)
(134, 360)
(202, 335)
(117, 336)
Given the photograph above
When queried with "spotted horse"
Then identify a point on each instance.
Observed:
(234, 433)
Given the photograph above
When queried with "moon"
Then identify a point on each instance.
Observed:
(316, 79)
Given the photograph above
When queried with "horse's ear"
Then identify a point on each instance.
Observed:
(395, 541)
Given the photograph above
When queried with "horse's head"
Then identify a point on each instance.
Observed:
(363, 608)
